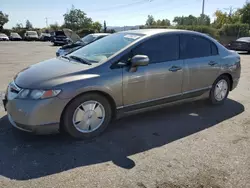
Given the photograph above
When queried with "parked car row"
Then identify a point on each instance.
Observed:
(32, 36)
(76, 42)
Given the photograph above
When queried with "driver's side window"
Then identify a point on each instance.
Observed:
(159, 49)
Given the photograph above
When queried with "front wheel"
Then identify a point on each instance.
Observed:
(220, 90)
(87, 116)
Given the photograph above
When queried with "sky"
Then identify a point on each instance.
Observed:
(115, 12)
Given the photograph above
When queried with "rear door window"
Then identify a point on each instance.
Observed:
(197, 46)
(159, 49)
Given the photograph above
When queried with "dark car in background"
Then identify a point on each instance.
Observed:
(15, 37)
(45, 37)
(241, 44)
(31, 36)
(59, 38)
(78, 42)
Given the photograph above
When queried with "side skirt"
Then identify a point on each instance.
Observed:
(163, 102)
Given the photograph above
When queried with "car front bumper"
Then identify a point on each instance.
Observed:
(37, 116)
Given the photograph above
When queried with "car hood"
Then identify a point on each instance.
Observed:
(50, 73)
(71, 35)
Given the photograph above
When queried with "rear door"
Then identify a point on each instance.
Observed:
(201, 62)
(161, 78)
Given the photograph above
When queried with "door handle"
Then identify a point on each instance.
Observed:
(212, 63)
(174, 68)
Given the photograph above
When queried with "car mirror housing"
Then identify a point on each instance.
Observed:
(139, 60)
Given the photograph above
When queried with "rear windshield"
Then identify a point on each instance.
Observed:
(59, 33)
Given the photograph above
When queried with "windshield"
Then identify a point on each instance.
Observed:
(14, 34)
(2, 35)
(31, 32)
(106, 47)
(89, 38)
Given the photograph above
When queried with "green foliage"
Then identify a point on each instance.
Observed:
(54, 27)
(238, 30)
(28, 25)
(202, 29)
(76, 19)
(192, 20)
(245, 13)
(4, 18)
(96, 26)
(85, 31)
(222, 18)
(151, 22)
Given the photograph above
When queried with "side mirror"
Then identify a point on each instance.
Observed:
(139, 60)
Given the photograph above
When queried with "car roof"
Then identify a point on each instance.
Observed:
(158, 31)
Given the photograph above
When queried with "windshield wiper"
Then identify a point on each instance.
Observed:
(65, 57)
(80, 59)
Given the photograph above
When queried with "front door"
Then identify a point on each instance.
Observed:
(161, 79)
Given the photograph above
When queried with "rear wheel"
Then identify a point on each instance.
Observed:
(220, 90)
(87, 116)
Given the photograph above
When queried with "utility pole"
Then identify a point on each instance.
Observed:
(203, 7)
(46, 19)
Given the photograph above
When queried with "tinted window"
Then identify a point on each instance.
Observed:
(160, 49)
(59, 33)
(214, 49)
(195, 46)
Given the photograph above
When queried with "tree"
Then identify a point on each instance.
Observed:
(18, 27)
(104, 27)
(97, 26)
(186, 20)
(150, 21)
(165, 22)
(76, 19)
(54, 27)
(28, 25)
(245, 13)
(204, 20)
(4, 18)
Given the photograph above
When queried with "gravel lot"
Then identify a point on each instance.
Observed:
(190, 145)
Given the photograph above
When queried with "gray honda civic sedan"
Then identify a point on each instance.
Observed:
(123, 73)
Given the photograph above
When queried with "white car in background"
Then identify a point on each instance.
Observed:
(3, 37)
(31, 35)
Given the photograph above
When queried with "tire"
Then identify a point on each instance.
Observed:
(72, 110)
(220, 97)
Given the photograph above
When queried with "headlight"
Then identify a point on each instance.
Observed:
(37, 94)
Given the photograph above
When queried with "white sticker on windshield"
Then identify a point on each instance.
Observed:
(132, 36)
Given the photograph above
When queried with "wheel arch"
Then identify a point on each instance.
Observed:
(230, 78)
(106, 95)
